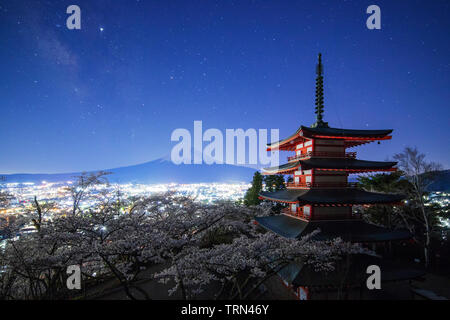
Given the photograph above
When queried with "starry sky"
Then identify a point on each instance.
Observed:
(111, 94)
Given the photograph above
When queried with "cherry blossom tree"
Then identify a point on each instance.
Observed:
(114, 237)
(242, 266)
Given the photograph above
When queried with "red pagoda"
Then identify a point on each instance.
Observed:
(320, 196)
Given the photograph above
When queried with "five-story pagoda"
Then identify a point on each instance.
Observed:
(321, 197)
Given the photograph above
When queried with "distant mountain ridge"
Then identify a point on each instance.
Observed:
(152, 172)
(441, 181)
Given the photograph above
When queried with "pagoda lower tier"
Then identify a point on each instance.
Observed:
(352, 230)
(330, 210)
(331, 196)
(351, 271)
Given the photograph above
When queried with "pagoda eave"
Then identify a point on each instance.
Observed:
(351, 137)
(354, 230)
(330, 164)
(288, 144)
(351, 171)
(361, 170)
(338, 133)
(277, 200)
(332, 197)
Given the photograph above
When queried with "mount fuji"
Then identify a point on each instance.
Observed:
(152, 172)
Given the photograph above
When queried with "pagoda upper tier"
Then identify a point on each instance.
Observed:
(350, 137)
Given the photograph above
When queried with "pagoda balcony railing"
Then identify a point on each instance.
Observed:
(298, 213)
(321, 185)
(324, 154)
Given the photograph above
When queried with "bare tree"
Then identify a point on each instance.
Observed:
(420, 174)
(80, 190)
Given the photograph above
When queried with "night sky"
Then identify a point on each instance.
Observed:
(111, 94)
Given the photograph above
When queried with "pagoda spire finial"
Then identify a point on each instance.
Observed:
(319, 96)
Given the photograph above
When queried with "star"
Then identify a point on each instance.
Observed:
(101, 29)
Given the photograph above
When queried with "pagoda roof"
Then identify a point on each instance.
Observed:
(282, 168)
(349, 164)
(351, 271)
(331, 196)
(333, 133)
(283, 141)
(326, 131)
(352, 230)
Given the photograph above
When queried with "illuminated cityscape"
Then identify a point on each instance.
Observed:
(442, 199)
(57, 193)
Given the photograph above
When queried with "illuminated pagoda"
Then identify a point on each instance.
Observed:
(319, 195)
